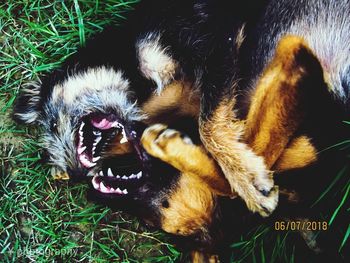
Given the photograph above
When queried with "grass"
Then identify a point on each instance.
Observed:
(45, 220)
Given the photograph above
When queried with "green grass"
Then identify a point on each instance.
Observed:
(44, 220)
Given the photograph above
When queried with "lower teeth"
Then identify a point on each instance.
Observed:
(101, 187)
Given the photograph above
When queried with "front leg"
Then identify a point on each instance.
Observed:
(178, 150)
(246, 172)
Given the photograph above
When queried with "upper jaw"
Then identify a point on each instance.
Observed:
(94, 133)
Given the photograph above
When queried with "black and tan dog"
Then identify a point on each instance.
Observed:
(188, 205)
(219, 50)
(95, 107)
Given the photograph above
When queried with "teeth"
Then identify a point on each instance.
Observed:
(125, 177)
(109, 172)
(100, 173)
(97, 140)
(95, 159)
(95, 184)
(103, 188)
(132, 176)
(118, 177)
(118, 190)
(123, 140)
(97, 133)
(125, 191)
(85, 161)
(139, 175)
(81, 126)
(81, 149)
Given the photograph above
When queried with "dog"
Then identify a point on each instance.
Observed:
(221, 51)
(100, 98)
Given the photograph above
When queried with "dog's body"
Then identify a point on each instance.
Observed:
(95, 107)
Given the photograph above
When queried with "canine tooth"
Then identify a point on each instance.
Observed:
(124, 139)
(95, 159)
(139, 175)
(125, 177)
(81, 149)
(82, 126)
(109, 172)
(100, 173)
(95, 184)
(125, 191)
(97, 140)
(103, 188)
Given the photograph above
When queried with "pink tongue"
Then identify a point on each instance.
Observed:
(102, 124)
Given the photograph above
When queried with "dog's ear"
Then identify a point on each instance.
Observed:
(27, 106)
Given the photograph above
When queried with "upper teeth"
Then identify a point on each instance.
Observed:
(82, 126)
(81, 149)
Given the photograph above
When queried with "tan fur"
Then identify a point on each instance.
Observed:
(118, 148)
(177, 99)
(200, 257)
(299, 153)
(200, 171)
(243, 169)
(276, 100)
(191, 207)
(167, 145)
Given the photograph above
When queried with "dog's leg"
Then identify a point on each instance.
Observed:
(275, 114)
(244, 170)
(171, 147)
(278, 104)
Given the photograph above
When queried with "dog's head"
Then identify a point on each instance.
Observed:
(80, 113)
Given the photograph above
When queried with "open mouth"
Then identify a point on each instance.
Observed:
(119, 175)
(111, 153)
(93, 133)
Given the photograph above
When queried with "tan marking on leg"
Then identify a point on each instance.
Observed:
(299, 153)
(191, 205)
(178, 99)
(167, 145)
(244, 170)
(276, 107)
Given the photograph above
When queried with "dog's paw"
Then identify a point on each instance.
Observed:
(262, 196)
(253, 183)
(263, 203)
(164, 143)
